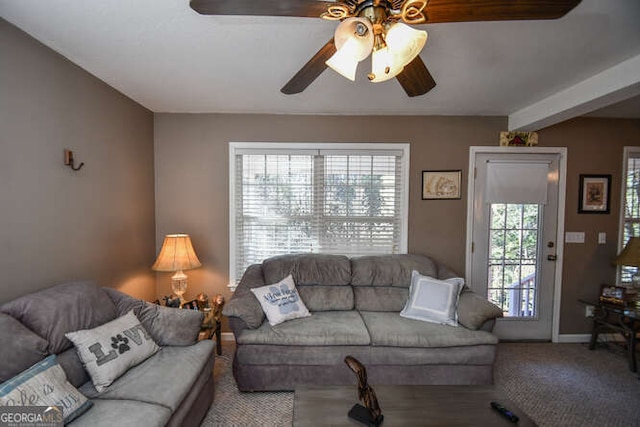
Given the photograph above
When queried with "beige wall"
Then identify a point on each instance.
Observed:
(55, 224)
(192, 185)
(595, 146)
(58, 225)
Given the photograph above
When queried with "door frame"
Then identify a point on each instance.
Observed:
(562, 184)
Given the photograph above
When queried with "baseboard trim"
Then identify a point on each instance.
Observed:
(580, 338)
(227, 336)
(574, 338)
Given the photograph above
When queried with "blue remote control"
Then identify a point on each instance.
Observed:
(505, 412)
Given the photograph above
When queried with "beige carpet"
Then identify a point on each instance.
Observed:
(555, 384)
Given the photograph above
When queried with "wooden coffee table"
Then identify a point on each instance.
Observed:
(407, 405)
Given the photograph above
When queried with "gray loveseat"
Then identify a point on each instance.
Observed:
(355, 305)
(173, 387)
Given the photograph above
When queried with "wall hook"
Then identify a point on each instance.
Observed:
(68, 160)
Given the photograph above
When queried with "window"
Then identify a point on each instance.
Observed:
(630, 214)
(513, 257)
(327, 198)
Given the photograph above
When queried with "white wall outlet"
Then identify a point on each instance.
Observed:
(588, 311)
(574, 237)
(602, 238)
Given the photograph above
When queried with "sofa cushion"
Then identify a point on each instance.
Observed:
(390, 270)
(20, 348)
(462, 355)
(281, 301)
(111, 349)
(123, 413)
(321, 329)
(474, 310)
(166, 325)
(72, 365)
(389, 329)
(327, 298)
(44, 384)
(309, 269)
(299, 355)
(380, 298)
(433, 300)
(176, 367)
(64, 308)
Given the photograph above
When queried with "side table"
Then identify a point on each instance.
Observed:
(617, 318)
(210, 328)
(212, 323)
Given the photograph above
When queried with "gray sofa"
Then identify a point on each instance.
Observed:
(355, 305)
(174, 387)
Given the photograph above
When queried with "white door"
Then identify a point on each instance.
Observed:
(514, 227)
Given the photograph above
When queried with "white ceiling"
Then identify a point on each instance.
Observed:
(168, 58)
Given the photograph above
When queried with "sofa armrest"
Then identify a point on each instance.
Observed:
(166, 325)
(243, 304)
(475, 312)
(488, 325)
(237, 325)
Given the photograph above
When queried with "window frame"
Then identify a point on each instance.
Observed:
(234, 147)
(628, 153)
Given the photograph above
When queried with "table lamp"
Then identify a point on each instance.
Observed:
(177, 254)
(630, 256)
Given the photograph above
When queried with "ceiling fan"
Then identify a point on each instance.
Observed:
(371, 26)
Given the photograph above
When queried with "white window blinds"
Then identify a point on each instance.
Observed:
(517, 182)
(630, 216)
(293, 200)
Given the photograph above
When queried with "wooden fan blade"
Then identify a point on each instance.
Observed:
(300, 8)
(311, 70)
(415, 79)
(496, 10)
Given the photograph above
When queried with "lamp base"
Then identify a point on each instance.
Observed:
(179, 285)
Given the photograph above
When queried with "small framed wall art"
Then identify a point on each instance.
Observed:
(518, 139)
(594, 194)
(441, 185)
(613, 294)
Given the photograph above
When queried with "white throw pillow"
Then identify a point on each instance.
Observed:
(109, 350)
(45, 384)
(433, 300)
(281, 301)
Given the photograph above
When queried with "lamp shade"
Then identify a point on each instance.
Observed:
(344, 61)
(354, 40)
(405, 42)
(630, 255)
(177, 254)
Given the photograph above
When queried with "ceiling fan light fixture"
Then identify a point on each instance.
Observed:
(405, 42)
(345, 60)
(354, 41)
(384, 65)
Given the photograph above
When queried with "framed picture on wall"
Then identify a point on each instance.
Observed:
(441, 185)
(191, 305)
(594, 194)
(612, 294)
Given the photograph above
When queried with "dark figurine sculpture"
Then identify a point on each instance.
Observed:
(369, 414)
(218, 305)
(171, 302)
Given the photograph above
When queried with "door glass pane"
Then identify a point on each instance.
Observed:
(513, 258)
